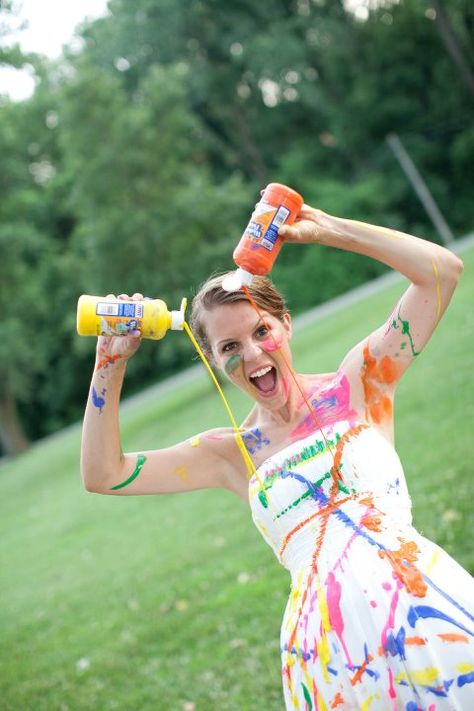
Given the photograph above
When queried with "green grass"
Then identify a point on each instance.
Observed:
(176, 599)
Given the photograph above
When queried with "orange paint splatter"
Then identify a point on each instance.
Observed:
(453, 637)
(402, 561)
(376, 376)
(107, 360)
(372, 522)
(337, 700)
(358, 675)
(415, 641)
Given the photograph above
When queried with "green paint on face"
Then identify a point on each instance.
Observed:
(141, 459)
(232, 364)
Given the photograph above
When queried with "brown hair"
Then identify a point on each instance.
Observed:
(211, 294)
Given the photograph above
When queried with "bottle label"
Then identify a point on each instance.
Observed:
(119, 318)
(264, 225)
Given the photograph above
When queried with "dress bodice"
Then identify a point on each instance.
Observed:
(332, 483)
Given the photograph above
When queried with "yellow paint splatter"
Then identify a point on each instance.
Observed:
(426, 676)
(465, 667)
(393, 234)
(182, 472)
(367, 703)
(433, 561)
(438, 290)
(195, 441)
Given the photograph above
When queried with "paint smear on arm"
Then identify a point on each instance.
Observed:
(141, 459)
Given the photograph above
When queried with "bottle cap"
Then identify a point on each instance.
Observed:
(177, 317)
(236, 280)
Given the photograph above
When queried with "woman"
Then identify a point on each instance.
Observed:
(377, 617)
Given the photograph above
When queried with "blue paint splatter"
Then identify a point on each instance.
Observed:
(98, 400)
(424, 611)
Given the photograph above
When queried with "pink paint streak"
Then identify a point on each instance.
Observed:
(270, 345)
(391, 689)
(331, 405)
(391, 615)
(335, 615)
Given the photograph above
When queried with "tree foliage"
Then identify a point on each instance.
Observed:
(135, 164)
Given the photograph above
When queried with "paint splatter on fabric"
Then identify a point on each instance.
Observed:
(378, 617)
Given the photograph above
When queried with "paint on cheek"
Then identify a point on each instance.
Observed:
(141, 459)
(98, 400)
(232, 364)
(270, 345)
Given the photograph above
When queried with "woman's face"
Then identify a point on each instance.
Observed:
(251, 351)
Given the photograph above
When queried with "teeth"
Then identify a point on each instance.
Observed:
(261, 372)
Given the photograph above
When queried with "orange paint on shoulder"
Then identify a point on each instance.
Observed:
(402, 561)
(358, 675)
(375, 377)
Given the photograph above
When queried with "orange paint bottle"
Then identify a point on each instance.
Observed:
(260, 242)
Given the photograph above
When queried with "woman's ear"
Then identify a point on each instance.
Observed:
(288, 325)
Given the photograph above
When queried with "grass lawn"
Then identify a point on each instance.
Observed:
(174, 603)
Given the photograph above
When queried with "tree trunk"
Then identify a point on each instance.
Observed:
(12, 436)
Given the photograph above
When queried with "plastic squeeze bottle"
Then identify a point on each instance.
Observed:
(101, 316)
(260, 243)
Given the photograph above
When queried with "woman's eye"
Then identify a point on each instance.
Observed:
(228, 347)
(262, 331)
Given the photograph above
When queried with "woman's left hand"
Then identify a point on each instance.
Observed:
(310, 226)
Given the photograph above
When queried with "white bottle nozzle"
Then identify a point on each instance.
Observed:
(236, 280)
(177, 317)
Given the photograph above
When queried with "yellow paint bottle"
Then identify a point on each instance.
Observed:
(103, 316)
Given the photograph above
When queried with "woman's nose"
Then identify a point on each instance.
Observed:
(251, 351)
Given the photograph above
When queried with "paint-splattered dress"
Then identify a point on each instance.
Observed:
(378, 617)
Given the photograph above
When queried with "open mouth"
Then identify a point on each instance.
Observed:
(264, 379)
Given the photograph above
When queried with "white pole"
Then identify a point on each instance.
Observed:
(420, 187)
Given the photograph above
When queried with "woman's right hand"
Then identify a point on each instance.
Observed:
(115, 347)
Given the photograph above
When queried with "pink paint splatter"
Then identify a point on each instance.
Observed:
(335, 615)
(391, 689)
(391, 616)
(331, 405)
(270, 345)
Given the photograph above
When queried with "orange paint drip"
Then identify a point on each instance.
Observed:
(337, 700)
(303, 523)
(417, 641)
(107, 360)
(290, 369)
(402, 562)
(453, 637)
(329, 508)
(375, 375)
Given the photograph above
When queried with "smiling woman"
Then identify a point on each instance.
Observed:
(379, 617)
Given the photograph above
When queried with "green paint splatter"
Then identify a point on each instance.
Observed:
(405, 332)
(141, 459)
(232, 364)
(263, 498)
(307, 697)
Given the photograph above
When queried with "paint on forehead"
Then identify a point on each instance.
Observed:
(233, 363)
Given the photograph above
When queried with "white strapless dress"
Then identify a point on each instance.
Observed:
(378, 616)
